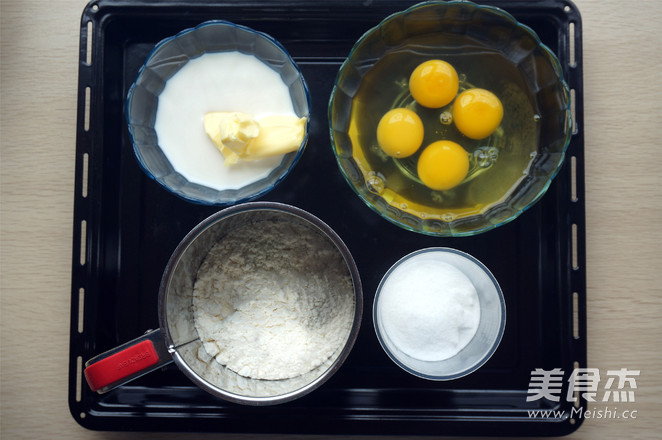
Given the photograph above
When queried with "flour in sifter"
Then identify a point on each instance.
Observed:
(273, 300)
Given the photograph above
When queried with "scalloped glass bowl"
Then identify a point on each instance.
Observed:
(453, 29)
(165, 60)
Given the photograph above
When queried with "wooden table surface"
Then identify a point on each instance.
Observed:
(623, 95)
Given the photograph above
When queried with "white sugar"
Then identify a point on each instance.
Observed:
(429, 309)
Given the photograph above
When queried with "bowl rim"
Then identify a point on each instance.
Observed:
(549, 55)
(229, 200)
(499, 295)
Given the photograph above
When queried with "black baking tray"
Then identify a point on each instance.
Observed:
(126, 226)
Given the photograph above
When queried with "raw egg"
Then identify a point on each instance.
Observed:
(477, 113)
(434, 83)
(400, 132)
(443, 165)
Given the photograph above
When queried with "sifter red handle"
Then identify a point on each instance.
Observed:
(126, 362)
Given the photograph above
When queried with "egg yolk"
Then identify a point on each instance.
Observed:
(477, 113)
(443, 165)
(434, 83)
(400, 132)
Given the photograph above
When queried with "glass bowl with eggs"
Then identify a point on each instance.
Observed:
(218, 114)
(450, 118)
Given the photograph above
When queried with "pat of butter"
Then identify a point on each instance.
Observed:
(240, 136)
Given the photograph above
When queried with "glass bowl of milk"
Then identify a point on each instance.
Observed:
(218, 114)
(439, 313)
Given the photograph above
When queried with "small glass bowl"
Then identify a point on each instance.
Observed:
(490, 329)
(453, 30)
(165, 60)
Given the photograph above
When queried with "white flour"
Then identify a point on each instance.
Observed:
(273, 300)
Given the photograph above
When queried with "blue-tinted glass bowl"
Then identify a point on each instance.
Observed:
(165, 60)
(496, 31)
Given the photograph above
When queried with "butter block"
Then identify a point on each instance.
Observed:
(239, 136)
